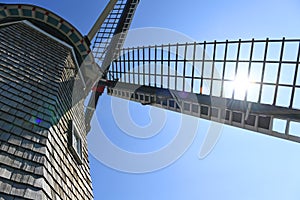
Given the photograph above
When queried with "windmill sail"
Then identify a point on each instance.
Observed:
(108, 35)
(112, 32)
(250, 84)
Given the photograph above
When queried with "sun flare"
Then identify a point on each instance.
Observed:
(241, 85)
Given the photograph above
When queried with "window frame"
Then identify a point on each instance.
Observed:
(73, 134)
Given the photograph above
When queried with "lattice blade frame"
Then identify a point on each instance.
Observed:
(113, 25)
(206, 73)
(113, 30)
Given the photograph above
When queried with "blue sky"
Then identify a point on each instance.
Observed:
(243, 164)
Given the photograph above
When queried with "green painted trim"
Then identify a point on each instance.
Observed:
(64, 28)
(2, 12)
(27, 13)
(14, 11)
(74, 38)
(40, 14)
(81, 48)
(52, 21)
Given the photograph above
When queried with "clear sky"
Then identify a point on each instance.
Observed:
(243, 164)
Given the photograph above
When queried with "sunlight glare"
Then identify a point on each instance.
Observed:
(241, 85)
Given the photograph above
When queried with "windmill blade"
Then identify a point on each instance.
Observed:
(226, 82)
(110, 30)
(108, 35)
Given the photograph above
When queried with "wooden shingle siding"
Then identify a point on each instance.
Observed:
(36, 83)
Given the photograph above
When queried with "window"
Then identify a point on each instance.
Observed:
(75, 142)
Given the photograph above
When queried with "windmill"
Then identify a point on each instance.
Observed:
(43, 130)
(217, 81)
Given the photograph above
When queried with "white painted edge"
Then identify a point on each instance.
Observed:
(54, 38)
(60, 41)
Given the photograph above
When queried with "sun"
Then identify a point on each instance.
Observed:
(241, 84)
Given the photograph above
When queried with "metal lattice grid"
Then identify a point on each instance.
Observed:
(117, 23)
(268, 68)
(109, 40)
(215, 75)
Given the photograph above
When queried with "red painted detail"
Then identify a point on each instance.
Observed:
(98, 88)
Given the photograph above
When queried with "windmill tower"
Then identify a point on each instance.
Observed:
(43, 121)
(42, 118)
